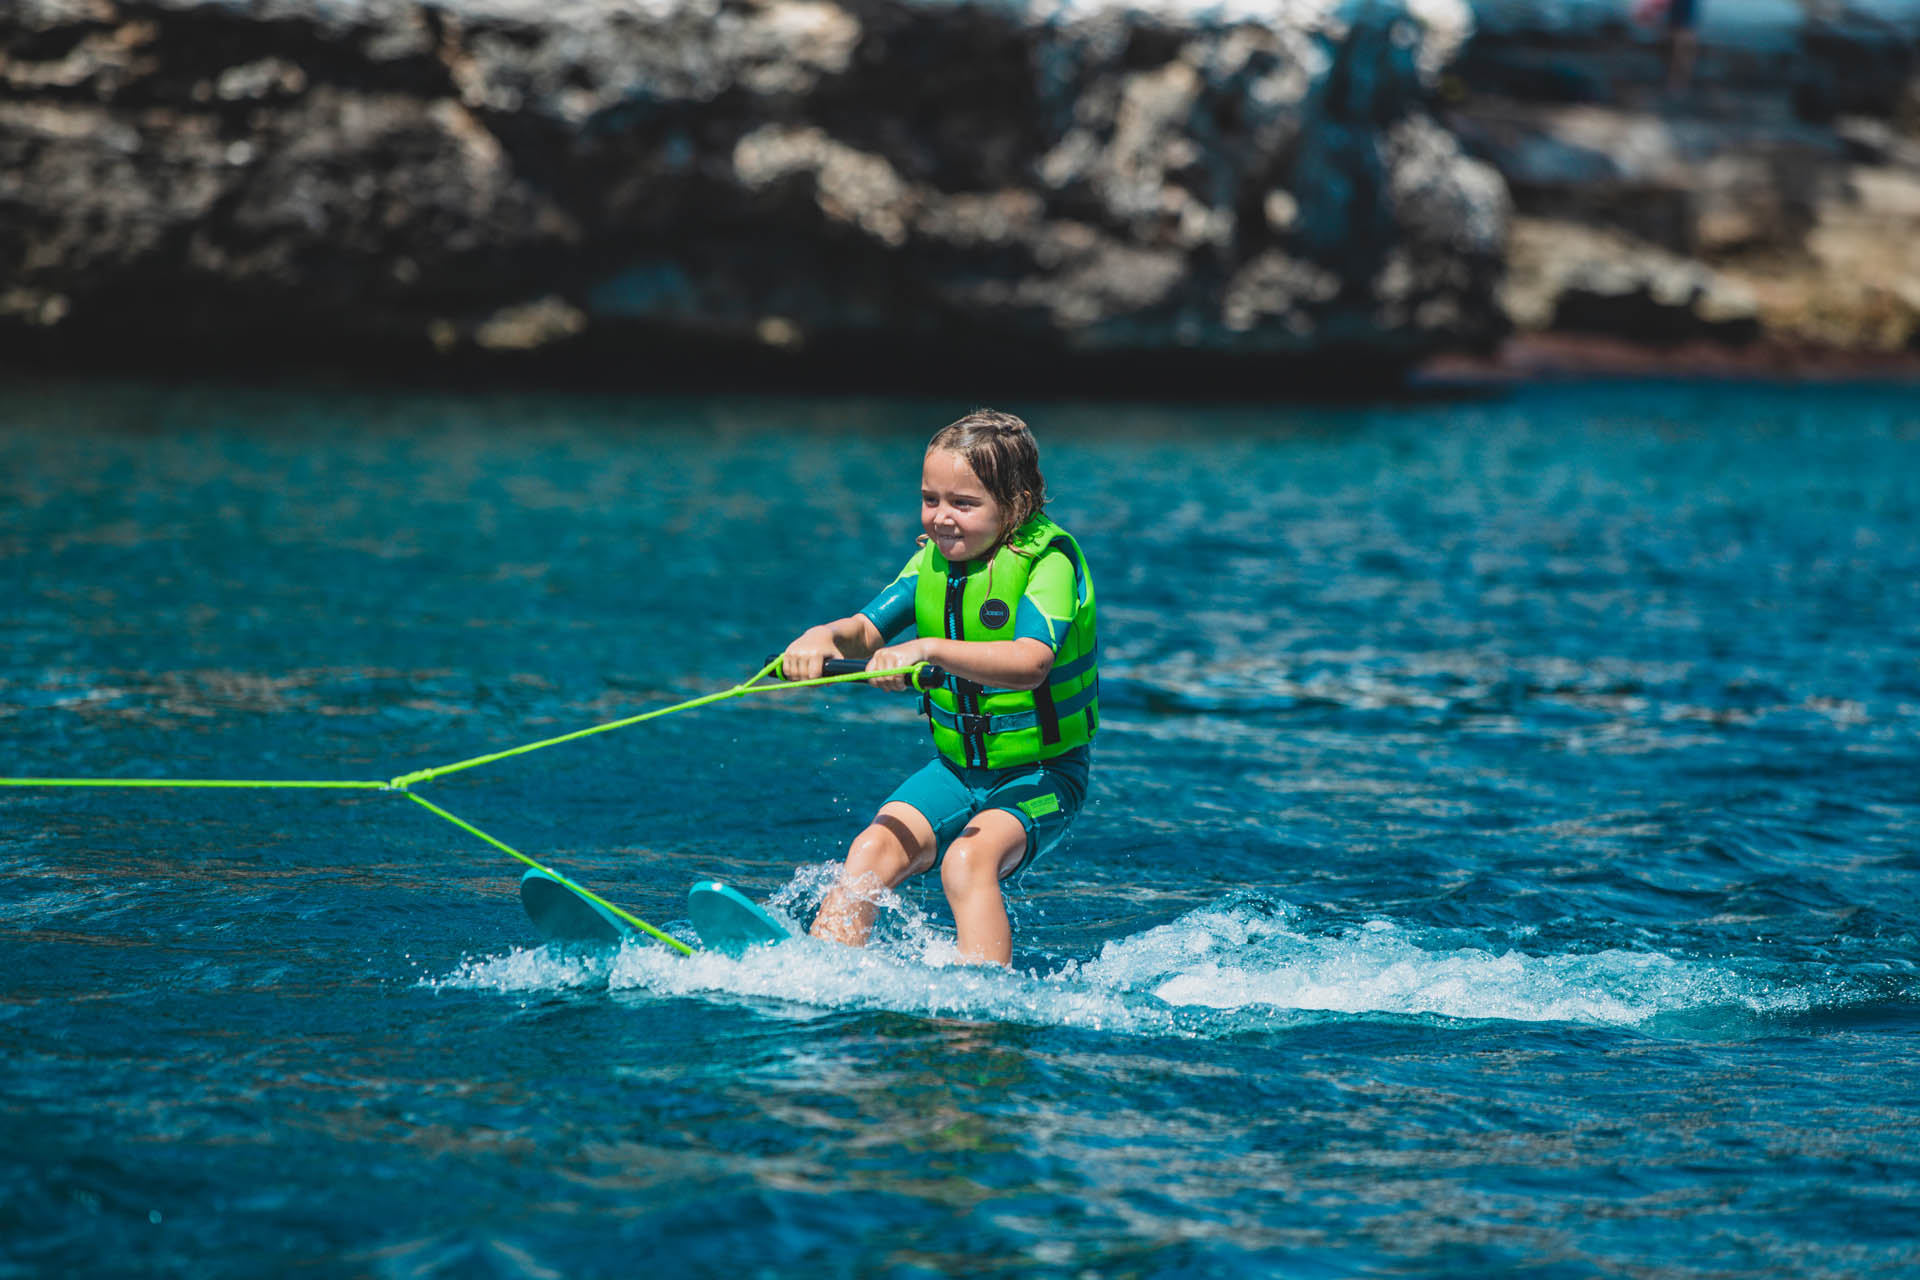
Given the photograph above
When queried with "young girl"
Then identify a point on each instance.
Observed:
(999, 598)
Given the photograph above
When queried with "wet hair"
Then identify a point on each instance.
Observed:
(1000, 449)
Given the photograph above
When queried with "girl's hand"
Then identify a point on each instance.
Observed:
(806, 657)
(912, 653)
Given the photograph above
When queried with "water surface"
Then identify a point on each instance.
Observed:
(1501, 858)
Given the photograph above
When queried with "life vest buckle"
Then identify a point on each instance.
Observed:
(972, 722)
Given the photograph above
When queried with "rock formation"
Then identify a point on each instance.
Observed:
(1767, 203)
(632, 184)
(909, 191)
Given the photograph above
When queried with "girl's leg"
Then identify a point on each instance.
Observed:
(990, 847)
(898, 844)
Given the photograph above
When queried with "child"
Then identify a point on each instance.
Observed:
(1000, 599)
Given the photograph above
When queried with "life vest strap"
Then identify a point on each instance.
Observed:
(1058, 675)
(964, 722)
(1047, 716)
(1075, 669)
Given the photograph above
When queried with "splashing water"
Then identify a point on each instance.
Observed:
(1249, 952)
(1243, 962)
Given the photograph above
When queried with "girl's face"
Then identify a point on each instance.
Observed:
(956, 510)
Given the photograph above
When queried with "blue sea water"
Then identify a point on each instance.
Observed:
(1502, 856)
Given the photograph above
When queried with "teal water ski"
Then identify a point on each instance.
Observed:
(728, 921)
(562, 915)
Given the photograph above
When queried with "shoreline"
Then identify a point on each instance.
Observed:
(1172, 377)
(1557, 357)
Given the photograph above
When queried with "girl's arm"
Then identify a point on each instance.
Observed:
(1000, 664)
(853, 637)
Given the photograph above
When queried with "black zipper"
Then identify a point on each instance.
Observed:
(967, 693)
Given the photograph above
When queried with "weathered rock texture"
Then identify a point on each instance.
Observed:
(917, 188)
(1770, 203)
(632, 181)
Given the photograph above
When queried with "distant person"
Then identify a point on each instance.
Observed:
(1682, 40)
(999, 598)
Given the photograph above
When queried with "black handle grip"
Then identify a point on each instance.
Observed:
(925, 678)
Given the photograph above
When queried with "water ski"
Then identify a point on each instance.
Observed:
(728, 921)
(564, 916)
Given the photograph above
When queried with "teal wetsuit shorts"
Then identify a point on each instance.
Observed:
(1045, 796)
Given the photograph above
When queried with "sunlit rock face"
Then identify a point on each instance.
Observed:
(1763, 194)
(617, 179)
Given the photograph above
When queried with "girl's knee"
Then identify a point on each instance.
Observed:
(969, 867)
(988, 850)
(881, 852)
(871, 856)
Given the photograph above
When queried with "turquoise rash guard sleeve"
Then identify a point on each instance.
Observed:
(1047, 606)
(891, 612)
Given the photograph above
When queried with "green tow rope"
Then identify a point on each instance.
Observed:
(257, 784)
(405, 781)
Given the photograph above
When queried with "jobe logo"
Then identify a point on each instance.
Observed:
(994, 614)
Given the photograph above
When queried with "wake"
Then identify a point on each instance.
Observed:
(1246, 963)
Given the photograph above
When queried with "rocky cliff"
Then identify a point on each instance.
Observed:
(1758, 209)
(1173, 194)
(633, 185)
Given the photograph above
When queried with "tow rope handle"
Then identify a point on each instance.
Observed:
(925, 676)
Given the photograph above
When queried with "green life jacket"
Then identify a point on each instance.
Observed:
(979, 727)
